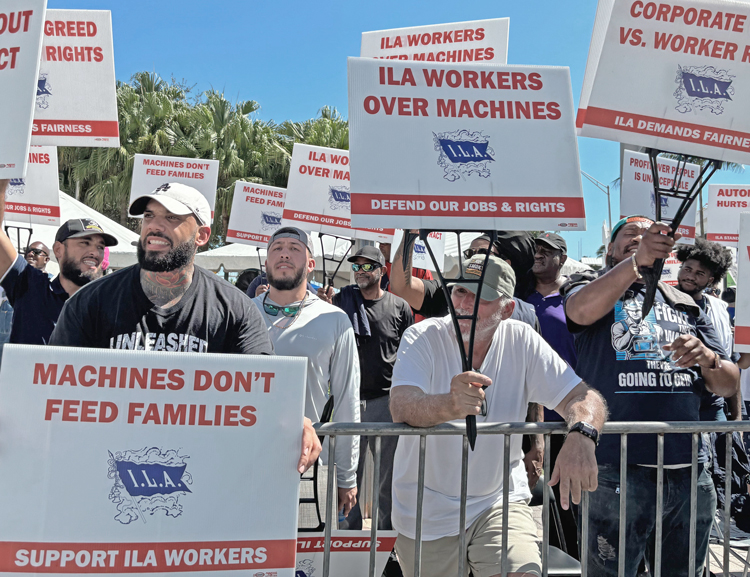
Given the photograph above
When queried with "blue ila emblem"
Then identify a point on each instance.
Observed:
(703, 87)
(43, 91)
(305, 568)
(420, 248)
(270, 220)
(339, 197)
(463, 153)
(147, 481)
(16, 186)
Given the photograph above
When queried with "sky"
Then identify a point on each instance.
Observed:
(290, 57)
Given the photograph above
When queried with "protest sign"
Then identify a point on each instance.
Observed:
(483, 41)
(725, 203)
(421, 258)
(256, 213)
(135, 461)
(742, 301)
(21, 23)
(637, 190)
(671, 76)
(318, 196)
(76, 102)
(463, 147)
(150, 172)
(350, 553)
(35, 199)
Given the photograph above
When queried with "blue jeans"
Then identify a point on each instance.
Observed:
(604, 519)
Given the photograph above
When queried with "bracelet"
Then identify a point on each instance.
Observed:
(638, 275)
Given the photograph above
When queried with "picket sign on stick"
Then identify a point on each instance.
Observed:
(151, 171)
(256, 213)
(421, 258)
(742, 303)
(76, 98)
(35, 199)
(458, 146)
(142, 461)
(21, 24)
(484, 41)
(725, 204)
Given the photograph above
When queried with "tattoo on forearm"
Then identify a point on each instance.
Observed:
(165, 289)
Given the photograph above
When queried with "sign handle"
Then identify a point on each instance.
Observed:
(326, 280)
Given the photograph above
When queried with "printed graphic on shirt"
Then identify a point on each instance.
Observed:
(178, 342)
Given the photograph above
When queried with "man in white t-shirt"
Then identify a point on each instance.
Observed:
(429, 387)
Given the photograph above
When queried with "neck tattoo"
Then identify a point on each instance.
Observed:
(165, 289)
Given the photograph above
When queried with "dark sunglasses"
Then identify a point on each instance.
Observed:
(470, 252)
(273, 310)
(36, 251)
(367, 267)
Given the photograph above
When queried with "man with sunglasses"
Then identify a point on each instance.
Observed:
(379, 319)
(302, 325)
(36, 299)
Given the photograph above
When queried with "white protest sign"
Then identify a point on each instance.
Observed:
(21, 23)
(256, 213)
(671, 76)
(637, 190)
(671, 269)
(725, 203)
(135, 461)
(76, 101)
(151, 171)
(421, 258)
(463, 147)
(478, 41)
(350, 553)
(35, 199)
(318, 197)
(742, 302)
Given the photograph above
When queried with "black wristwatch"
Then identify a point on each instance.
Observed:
(586, 430)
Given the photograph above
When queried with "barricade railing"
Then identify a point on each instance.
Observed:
(378, 430)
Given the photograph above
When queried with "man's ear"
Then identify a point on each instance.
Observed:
(202, 235)
(59, 249)
(311, 265)
(563, 258)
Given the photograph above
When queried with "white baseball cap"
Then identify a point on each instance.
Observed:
(177, 198)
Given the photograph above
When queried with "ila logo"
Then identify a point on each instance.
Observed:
(339, 197)
(270, 220)
(463, 153)
(16, 186)
(43, 91)
(147, 481)
(703, 87)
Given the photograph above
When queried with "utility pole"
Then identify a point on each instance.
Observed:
(605, 189)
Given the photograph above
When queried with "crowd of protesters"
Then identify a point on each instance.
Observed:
(384, 349)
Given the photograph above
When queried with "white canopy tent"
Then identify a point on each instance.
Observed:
(122, 255)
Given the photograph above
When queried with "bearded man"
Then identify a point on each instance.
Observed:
(512, 366)
(302, 325)
(37, 300)
(379, 320)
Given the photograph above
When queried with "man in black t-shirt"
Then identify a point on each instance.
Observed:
(650, 368)
(165, 302)
(379, 319)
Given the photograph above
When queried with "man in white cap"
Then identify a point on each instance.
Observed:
(512, 366)
(165, 302)
(36, 299)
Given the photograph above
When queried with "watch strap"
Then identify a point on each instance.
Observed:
(586, 430)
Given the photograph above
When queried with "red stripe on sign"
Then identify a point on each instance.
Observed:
(343, 544)
(686, 231)
(32, 209)
(317, 218)
(580, 117)
(524, 207)
(146, 557)
(76, 128)
(742, 335)
(238, 234)
(684, 131)
(717, 237)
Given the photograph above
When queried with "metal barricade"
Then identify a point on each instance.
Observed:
(624, 429)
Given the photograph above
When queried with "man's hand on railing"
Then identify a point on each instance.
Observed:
(310, 447)
(347, 499)
(575, 469)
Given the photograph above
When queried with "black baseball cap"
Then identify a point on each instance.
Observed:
(554, 241)
(370, 253)
(82, 227)
(293, 233)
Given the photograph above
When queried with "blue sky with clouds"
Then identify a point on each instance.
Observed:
(291, 56)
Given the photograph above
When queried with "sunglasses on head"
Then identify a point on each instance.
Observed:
(367, 267)
(36, 251)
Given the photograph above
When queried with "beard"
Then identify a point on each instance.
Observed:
(286, 284)
(71, 270)
(692, 292)
(367, 282)
(483, 329)
(176, 258)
